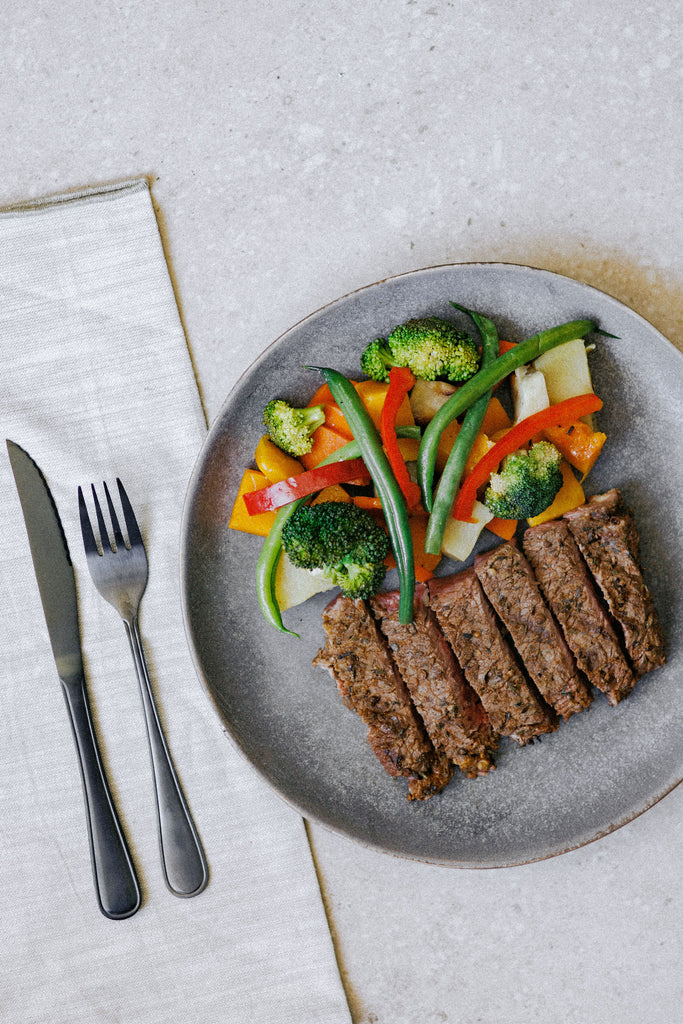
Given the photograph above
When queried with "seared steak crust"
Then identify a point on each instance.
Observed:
(607, 538)
(450, 709)
(511, 587)
(568, 589)
(513, 707)
(369, 684)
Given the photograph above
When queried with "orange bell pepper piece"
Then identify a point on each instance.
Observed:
(505, 528)
(579, 444)
(326, 441)
(446, 442)
(425, 564)
(495, 418)
(370, 502)
(335, 419)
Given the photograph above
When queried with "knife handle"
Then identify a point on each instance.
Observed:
(116, 885)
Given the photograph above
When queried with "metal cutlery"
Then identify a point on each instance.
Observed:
(116, 885)
(119, 571)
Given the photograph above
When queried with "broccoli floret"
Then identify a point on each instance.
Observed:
(292, 429)
(377, 360)
(431, 347)
(342, 542)
(527, 484)
(434, 348)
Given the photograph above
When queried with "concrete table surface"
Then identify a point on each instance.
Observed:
(298, 151)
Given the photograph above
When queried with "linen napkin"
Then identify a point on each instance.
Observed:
(97, 382)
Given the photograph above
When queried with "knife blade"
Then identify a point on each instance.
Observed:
(116, 885)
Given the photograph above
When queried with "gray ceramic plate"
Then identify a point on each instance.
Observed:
(603, 767)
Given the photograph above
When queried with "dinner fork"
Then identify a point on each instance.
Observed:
(119, 572)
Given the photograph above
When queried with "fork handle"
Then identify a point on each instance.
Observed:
(118, 892)
(182, 856)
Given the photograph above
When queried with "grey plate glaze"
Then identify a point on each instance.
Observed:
(603, 767)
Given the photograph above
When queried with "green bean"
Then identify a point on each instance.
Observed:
(390, 494)
(471, 425)
(266, 568)
(482, 382)
(269, 557)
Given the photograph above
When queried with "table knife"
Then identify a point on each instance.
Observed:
(116, 885)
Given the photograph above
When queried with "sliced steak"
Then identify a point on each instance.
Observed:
(369, 683)
(568, 589)
(511, 587)
(450, 709)
(513, 706)
(606, 534)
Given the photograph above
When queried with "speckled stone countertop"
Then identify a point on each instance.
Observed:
(299, 151)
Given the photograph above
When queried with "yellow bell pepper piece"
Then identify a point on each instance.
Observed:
(569, 496)
(240, 519)
(275, 464)
(409, 448)
(481, 445)
(335, 492)
(373, 394)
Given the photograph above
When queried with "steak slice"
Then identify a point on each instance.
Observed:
(511, 587)
(450, 709)
(513, 707)
(606, 534)
(368, 681)
(568, 589)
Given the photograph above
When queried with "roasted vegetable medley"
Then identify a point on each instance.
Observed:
(409, 463)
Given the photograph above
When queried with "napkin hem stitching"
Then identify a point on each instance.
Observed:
(87, 193)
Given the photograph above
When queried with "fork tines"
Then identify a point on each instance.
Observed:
(90, 541)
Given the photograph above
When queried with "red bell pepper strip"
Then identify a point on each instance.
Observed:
(401, 380)
(559, 415)
(266, 499)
